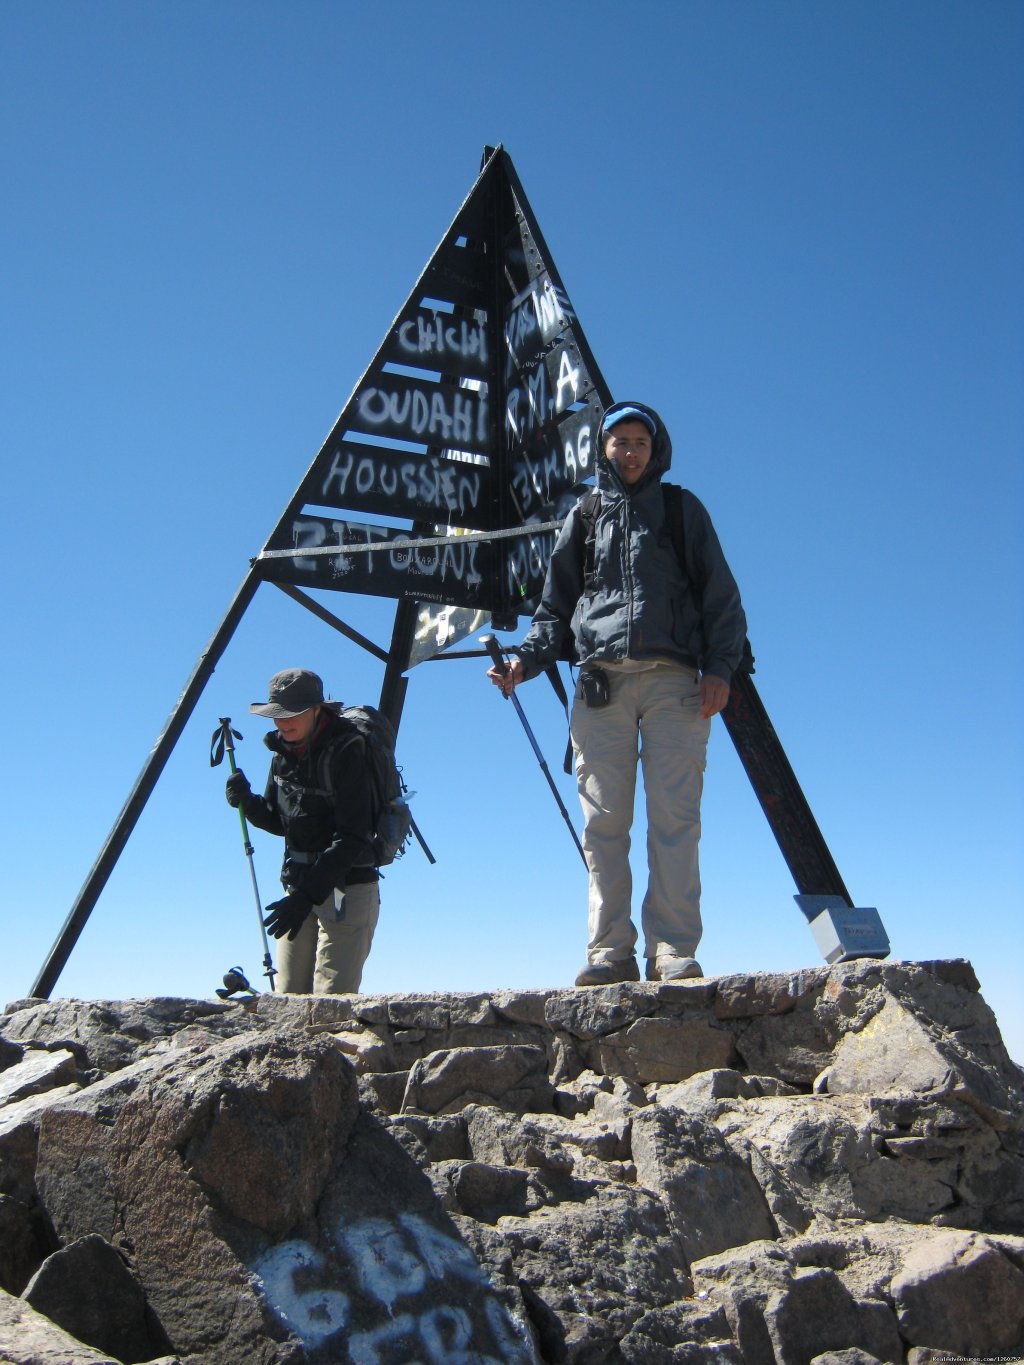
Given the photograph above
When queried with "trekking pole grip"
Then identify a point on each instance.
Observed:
(229, 743)
(490, 643)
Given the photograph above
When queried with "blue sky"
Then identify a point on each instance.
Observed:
(794, 229)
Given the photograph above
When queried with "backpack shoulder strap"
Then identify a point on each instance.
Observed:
(323, 772)
(590, 507)
(323, 759)
(673, 498)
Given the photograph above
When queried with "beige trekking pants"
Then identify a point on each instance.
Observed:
(327, 957)
(653, 715)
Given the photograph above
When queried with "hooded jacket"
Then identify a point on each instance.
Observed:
(327, 833)
(640, 603)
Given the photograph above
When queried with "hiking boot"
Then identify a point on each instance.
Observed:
(673, 969)
(608, 973)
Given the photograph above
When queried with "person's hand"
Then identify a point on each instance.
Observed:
(237, 788)
(507, 678)
(288, 915)
(714, 695)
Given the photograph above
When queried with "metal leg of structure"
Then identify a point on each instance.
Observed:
(841, 931)
(140, 793)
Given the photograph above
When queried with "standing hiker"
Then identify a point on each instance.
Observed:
(319, 797)
(638, 580)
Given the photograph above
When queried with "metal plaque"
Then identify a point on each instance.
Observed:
(460, 573)
(429, 339)
(418, 410)
(401, 483)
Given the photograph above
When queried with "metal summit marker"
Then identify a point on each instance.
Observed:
(470, 434)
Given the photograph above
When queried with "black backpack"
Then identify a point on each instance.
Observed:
(392, 818)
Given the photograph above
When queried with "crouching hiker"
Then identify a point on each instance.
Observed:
(319, 798)
(638, 584)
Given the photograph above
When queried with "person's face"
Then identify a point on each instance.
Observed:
(297, 729)
(629, 445)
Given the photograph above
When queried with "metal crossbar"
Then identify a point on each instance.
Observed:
(422, 543)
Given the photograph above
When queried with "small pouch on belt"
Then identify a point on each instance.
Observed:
(595, 687)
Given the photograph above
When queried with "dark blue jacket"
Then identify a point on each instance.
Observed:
(641, 602)
(326, 819)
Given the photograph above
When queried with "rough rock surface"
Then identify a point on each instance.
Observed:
(820, 1167)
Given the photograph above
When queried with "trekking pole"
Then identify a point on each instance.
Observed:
(494, 650)
(420, 840)
(223, 741)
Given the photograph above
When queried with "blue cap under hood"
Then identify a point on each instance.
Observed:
(661, 451)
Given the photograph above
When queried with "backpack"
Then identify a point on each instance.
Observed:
(392, 818)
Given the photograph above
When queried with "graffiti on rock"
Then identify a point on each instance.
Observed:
(399, 1290)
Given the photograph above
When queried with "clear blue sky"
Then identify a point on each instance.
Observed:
(793, 228)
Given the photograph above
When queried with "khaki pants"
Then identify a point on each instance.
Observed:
(655, 715)
(326, 958)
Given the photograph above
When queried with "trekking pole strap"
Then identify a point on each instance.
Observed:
(221, 742)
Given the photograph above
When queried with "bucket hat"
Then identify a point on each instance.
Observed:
(291, 692)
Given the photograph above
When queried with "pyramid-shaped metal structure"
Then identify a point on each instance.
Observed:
(478, 413)
(469, 436)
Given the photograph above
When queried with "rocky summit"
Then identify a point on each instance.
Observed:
(826, 1166)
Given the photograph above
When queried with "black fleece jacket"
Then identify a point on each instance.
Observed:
(328, 824)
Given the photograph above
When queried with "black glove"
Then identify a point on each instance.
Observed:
(288, 915)
(237, 789)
